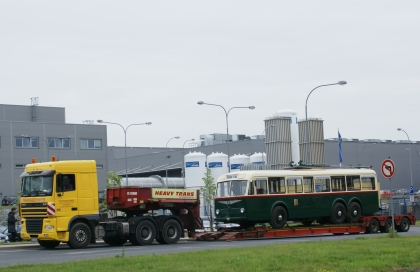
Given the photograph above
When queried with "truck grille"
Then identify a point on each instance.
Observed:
(34, 225)
(34, 209)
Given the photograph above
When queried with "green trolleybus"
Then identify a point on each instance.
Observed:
(302, 195)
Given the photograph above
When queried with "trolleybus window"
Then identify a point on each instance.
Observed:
(294, 185)
(276, 186)
(308, 184)
(353, 183)
(322, 184)
(238, 187)
(223, 189)
(368, 183)
(338, 184)
(261, 186)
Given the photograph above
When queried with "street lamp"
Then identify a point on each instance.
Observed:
(262, 134)
(308, 154)
(363, 150)
(125, 142)
(409, 153)
(166, 168)
(227, 123)
(183, 165)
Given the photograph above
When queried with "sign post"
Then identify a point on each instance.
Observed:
(388, 170)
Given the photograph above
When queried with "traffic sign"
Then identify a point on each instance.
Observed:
(411, 190)
(388, 168)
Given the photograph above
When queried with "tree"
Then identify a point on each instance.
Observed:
(209, 192)
(112, 180)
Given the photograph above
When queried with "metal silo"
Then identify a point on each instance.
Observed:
(218, 164)
(237, 161)
(316, 140)
(195, 168)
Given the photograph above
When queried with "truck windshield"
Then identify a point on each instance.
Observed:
(37, 185)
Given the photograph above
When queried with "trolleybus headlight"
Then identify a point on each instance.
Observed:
(217, 211)
(242, 210)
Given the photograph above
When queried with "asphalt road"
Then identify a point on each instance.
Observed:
(35, 254)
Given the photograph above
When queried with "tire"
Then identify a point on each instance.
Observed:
(404, 225)
(80, 236)
(171, 231)
(354, 213)
(160, 240)
(387, 226)
(338, 214)
(278, 217)
(373, 226)
(49, 244)
(145, 233)
(115, 241)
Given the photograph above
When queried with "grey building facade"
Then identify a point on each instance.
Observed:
(28, 132)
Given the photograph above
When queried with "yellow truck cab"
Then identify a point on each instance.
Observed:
(59, 203)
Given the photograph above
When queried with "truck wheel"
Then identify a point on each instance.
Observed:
(404, 225)
(145, 233)
(80, 236)
(339, 213)
(49, 244)
(373, 226)
(354, 213)
(387, 226)
(114, 241)
(278, 217)
(171, 231)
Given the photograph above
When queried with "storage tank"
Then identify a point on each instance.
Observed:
(237, 161)
(218, 164)
(257, 158)
(195, 168)
(294, 131)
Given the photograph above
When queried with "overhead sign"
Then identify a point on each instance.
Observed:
(388, 168)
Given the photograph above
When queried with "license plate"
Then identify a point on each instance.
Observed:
(35, 240)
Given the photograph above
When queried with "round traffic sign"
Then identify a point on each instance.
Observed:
(388, 168)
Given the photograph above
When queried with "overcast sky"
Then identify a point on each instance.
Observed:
(139, 61)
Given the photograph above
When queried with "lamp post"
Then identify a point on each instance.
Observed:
(263, 149)
(183, 159)
(411, 172)
(227, 123)
(125, 142)
(363, 150)
(308, 154)
(166, 168)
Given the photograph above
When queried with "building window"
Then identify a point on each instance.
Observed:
(26, 142)
(90, 144)
(59, 143)
(99, 166)
(19, 166)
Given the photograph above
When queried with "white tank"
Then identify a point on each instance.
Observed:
(237, 161)
(218, 164)
(195, 168)
(257, 158)
(294, 131)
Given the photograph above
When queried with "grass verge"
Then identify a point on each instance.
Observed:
(364, 253)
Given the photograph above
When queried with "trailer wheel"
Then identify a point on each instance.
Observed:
(339, 213)
(145, 233)
(373, 226)
(80, 236)
(354, 213)
(114, 241)
(171, 231)
(404, 225)
(49, 244)
(387, 226)
(278, 217)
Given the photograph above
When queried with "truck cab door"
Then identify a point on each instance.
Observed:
(66, 200)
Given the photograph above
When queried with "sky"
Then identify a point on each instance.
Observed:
(131, 62)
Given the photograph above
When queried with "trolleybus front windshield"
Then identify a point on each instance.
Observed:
(231, 188)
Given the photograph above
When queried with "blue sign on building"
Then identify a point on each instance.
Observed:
(258, 162)
(215, 164)
(236, 165)
(192, 164)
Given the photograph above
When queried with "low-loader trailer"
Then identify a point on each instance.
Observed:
(59, 204)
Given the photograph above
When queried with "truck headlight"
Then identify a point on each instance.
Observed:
(242, 210)
(217, 211)
(48, 227)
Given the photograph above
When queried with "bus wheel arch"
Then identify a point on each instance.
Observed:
(278, 217)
